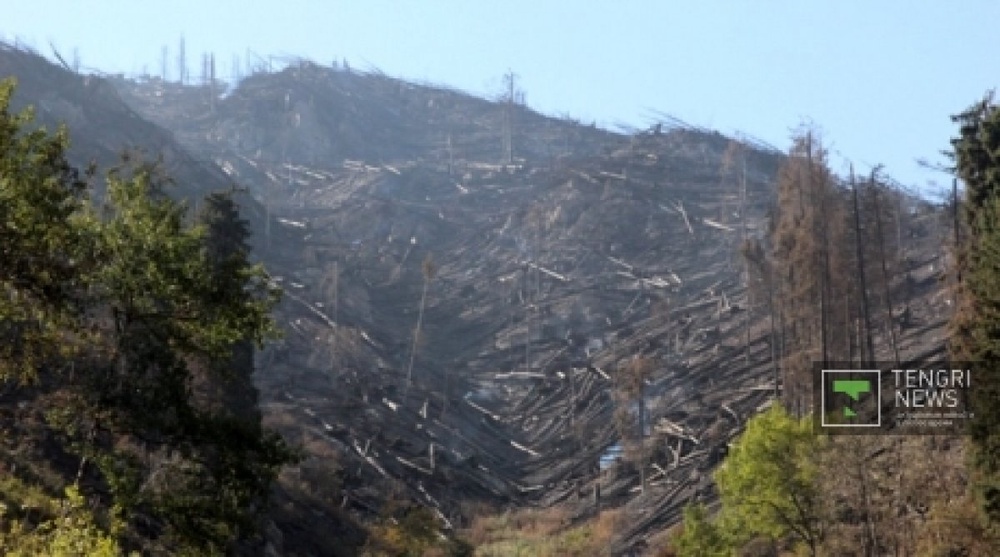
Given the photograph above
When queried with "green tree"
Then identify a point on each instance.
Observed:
(180, 299)
(768, 482)
(128, 320)
(976, 324)
(700, 536)
(71, 533)
(231, 271)
(40, 248)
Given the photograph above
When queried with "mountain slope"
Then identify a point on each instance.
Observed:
(554, 269)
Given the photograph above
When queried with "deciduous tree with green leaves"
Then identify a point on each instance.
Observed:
(701, 536)
(768, 482)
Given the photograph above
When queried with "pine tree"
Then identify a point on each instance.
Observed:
(181, 298)
(976, 324)
(227, 251)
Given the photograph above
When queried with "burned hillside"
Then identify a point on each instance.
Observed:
(552, 270)
(102, 127)
(468, 281)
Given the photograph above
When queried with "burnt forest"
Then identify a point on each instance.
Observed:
(421, 322)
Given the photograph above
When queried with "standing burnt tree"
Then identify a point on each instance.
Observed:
(630, 411)
(810, 271)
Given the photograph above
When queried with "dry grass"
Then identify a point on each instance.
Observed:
(279, 420)
(956, 528)
(661, 543)
(543, 533)
(606, 525)
(540, 523)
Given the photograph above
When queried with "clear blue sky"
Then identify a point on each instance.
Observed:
(879, 77)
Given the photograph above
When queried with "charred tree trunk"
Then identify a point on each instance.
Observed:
(885, 272)
(869, 351)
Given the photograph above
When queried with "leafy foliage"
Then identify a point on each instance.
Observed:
(72, 531)
(700, 537)
(133, 322)
(768, 482)
(411, 531)
(769, 489)
(40, 248)
(180, 301)
(160, 274)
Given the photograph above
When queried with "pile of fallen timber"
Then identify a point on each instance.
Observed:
(547, 274)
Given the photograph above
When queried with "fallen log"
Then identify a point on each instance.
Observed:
(680, 209)
(718, 225)
(413, 465)
(519, 374)
(601, 372)
(552, 274)
(483, 410)
(620, 262)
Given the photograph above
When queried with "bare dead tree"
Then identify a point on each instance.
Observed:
(511, 97)
(631, 390)
(747, 314)
(820, 189)
(428, 268)
(801, 241)
(757, 260)
(863, 284)
(163, 63)
(887, 290)
(956, 222)
(211, 81)
(508, 149)
(204, 69)
(181, 63)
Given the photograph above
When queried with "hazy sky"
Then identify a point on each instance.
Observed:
(879, 77)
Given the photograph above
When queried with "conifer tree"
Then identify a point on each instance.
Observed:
(41, 251)
(227, 251)
(181, 300)
(116, 313)
(976, 324)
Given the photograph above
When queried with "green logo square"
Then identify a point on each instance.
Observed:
(851, 398)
